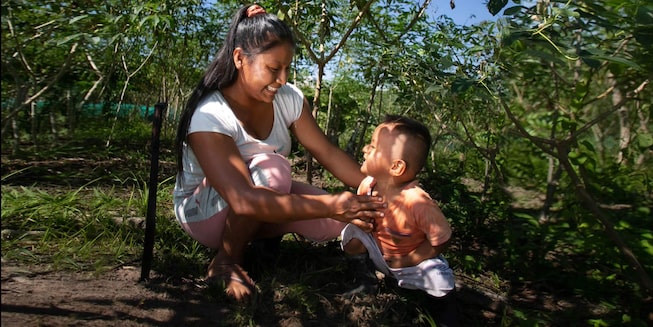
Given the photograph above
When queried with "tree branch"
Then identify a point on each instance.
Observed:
(56, 77)
(352, 26)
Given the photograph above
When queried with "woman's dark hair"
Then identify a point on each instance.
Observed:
(255, 34)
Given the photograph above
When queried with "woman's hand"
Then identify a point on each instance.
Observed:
(360, 210)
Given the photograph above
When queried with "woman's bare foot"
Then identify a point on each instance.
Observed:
(238, 284)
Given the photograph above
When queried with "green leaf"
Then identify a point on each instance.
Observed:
(76, 19)
(644, 15)
(596, 54)
(588, 145)
(648, 247)
(460, 85)
(545, 56)
(513, 10)
(495, 6)
(517, 46)
(581, 90)
(577, 158)
(644, 141)
(69, 38)
(624, 224)
(530, 219)
(568, 124)
(445, 62)
(588, 60)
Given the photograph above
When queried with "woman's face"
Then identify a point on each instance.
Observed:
(261, 75)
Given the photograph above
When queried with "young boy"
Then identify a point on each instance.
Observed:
(407, 243)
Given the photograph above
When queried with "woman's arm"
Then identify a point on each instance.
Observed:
(334, 159)
(228, 174)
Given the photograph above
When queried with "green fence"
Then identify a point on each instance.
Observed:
(97, 109)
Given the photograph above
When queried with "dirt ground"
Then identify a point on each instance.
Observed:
(35, 296)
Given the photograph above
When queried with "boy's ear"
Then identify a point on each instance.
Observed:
(398, 168)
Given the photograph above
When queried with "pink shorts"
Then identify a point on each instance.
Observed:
(202, 215)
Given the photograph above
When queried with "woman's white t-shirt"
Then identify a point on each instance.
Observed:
(213, 114)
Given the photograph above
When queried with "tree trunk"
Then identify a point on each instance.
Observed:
(561, 152)
(53, 125)
(70, 112)
(643, 130)
(358, 145)
(553, 174)
(589, 203)
(624, 126)
(553, 180)
(332, 119)
(316, 108)
(34, 123)
(16, 135)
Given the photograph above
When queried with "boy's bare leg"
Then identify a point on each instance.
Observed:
(361, 267)
(354, 247)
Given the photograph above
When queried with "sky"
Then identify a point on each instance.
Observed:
(464, 10)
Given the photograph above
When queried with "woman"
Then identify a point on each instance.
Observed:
(234, 182)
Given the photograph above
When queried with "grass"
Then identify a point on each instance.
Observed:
(74, 229)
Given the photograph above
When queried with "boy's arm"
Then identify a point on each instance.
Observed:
(430, 220)
(439, 249)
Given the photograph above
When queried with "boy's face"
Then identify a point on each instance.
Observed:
(383, 150)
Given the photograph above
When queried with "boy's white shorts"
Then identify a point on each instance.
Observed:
(433, 276)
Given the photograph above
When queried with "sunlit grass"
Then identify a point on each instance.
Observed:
(80, 229)
(84, 228)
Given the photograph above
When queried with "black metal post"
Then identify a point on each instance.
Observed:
(150, 219)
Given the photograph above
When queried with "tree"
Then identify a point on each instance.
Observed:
(567, 70)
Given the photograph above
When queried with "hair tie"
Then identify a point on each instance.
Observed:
(255, 10)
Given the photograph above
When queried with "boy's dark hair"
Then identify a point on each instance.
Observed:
(417, 131)
(254, 35)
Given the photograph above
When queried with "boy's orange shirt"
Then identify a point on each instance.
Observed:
(409, 219)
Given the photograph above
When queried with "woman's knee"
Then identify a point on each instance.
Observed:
(207, 232)
(271, 170)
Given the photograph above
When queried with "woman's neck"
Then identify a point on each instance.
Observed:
(237, 100)
(256, 117)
